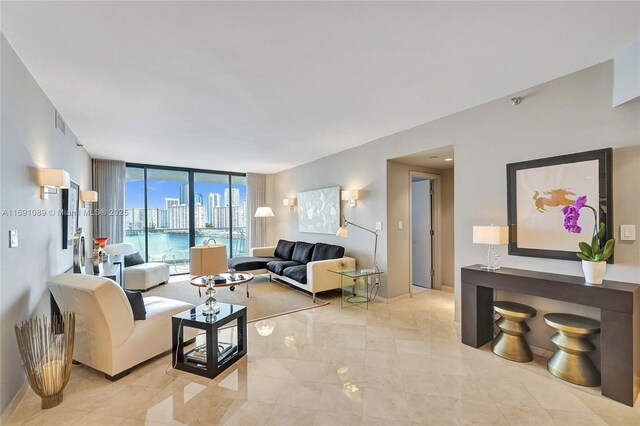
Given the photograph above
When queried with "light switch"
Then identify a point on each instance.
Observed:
(378, 226)
(627, 232)
(400, 224)
(13, 238)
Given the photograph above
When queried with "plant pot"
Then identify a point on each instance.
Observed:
(593, 271)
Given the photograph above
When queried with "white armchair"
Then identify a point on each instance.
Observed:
(107, 338)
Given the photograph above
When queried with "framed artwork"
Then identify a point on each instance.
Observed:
(70, 207)
(539, 189)
(319, 210)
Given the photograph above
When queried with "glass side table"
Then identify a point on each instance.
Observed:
(212, 358)
(355, 286)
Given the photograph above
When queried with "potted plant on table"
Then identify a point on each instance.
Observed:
(594, 256)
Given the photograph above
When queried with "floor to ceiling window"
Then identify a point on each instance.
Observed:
(171, 209)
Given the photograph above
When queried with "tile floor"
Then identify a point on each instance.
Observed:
(395, 364)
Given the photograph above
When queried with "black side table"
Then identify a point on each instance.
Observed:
(215, 363)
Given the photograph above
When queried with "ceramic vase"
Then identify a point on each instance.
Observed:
(593, 271)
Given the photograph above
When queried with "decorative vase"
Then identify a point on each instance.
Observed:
(46, 348)
(593, 271)
(101, 240)
(95, 258)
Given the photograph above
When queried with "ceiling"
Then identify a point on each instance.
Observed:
(265, 86)
(432, 159)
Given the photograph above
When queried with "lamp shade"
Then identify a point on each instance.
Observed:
(349, 195)
(343, 232)
(208, 260)
(496, 235)
(120, 248)
(264, 212)
(89, 196)
(54, 177)
(289, 202)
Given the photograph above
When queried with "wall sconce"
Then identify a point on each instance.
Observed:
(52, 179)
(351, 196)
(88, 197)
(289, 202)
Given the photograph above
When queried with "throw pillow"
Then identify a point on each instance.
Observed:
(133, 259)
(284, 249)
(137, 304)
(302, 252)
(327, 251)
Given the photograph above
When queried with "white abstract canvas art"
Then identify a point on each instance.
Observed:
(542, 192)
(319, 210)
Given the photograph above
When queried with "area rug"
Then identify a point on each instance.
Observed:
(266, 299)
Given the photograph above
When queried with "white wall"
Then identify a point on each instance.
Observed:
(447, 229)
(29, 141)
(563, 116)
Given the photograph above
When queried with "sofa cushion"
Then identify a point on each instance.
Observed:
(327, 251)
(133, 259)
(302, 252)
(160, 309)
(278, 266)
(284, 249)
(250, 263)
(146, 275)
(137, 305)
(297, 273)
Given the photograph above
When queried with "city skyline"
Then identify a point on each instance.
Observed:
(168, 207)
(159, 190)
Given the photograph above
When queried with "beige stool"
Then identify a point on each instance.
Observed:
(510, 342)
(571, 362)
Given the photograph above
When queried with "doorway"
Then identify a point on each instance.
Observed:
(421, 232)
(423, 227)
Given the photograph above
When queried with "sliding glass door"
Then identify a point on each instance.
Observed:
(135, 222)
(171, 209)
(239, 215)
(168, 218)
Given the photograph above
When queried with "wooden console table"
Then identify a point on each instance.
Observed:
(619, 304)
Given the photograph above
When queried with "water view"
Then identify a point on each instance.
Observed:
(172, 245)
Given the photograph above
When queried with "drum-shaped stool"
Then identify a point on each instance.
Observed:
(510, 342)
(571, 361)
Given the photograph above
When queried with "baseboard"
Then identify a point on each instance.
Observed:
(11, 408)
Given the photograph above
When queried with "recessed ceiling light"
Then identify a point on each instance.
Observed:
(448, 159)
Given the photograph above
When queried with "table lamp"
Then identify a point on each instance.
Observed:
(491, 235)
(208, 262)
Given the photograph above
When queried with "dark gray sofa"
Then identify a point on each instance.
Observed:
(304, 265)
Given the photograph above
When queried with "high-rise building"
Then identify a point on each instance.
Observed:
(152, 218)
(163, 218)
(184, 193)
(198, 198)
(199, 219)
(170, 202)
(136, 219)
(220, 217)
(213, 201)
(179, 217)
(235, 197)
(242, 215)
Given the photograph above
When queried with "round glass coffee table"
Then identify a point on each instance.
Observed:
(231, 281)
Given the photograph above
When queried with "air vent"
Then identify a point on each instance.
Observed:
(60, 124)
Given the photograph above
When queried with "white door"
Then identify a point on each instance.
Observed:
(421, 232)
